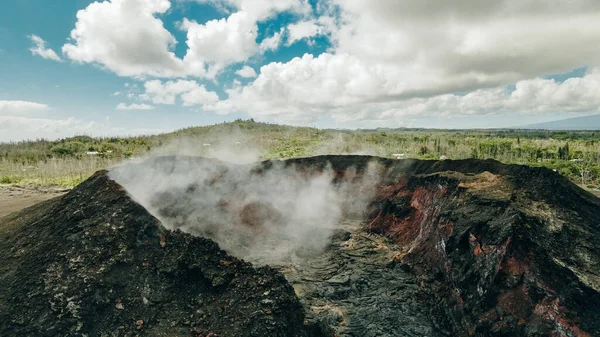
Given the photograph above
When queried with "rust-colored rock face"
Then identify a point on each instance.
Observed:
(501, 250)
(443, 248)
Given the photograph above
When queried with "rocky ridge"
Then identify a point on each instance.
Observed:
(446, 248)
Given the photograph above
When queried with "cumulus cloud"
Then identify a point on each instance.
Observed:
(134, 106)
(199, 96)
(14, 128)
(125, 37)
(247, 72)
(301, 100)
(386, 58)
(261, 9)
(191, 92)
(18, 128)
(405, 58)
(442, 48)
(534, 96)
(271, 42)
(221, 42)
(39, 48)
(9, 108)
(160, 93)
(577, 94)
(302, 30)
(304, 88)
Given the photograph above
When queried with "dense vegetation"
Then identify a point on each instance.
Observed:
(66, 162)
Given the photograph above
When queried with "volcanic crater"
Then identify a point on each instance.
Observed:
(318, 246)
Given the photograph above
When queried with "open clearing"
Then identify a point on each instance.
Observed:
(16, 198)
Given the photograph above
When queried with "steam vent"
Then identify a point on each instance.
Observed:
(320, 246)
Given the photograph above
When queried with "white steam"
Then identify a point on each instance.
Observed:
(266, 214)
(234, 147)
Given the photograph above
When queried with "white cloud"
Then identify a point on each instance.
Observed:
(40, 48)
(220, 42)
(125, 37)
(11, 108)
(305, 99)
(577, 94)
(324, 81)
(247, 72)
(260, 10)
(271, 42)
(405, 58)
(302, 30)
(160, 93)
(388, 59)
(191, 92)
(15, 128)
(438, 47)
(233, 39)
(20, 128)
(116, 93)
(534, 96)
(134, 106)
(263, 9)
(199, 96)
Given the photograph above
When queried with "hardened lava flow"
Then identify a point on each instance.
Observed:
(319, 246)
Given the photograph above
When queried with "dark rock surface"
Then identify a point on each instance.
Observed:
(448, 248)
(97, 264)
(356, 289)
(502, 250)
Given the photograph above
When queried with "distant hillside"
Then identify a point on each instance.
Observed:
(69, 161)
(576, 123)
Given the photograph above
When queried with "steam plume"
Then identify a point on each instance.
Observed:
(263, 213)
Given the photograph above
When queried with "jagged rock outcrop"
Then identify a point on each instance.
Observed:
(446, 248)
(501, 250)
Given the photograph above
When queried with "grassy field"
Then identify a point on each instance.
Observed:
(66, 162)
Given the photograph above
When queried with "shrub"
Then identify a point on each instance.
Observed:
(8, 180)
(62, 151)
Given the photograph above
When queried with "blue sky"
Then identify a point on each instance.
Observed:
(168, 64)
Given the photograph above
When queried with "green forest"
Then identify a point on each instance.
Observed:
(66, 162)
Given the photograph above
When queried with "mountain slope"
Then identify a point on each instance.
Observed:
(447, 248)
(575, 123)
(96, 263)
